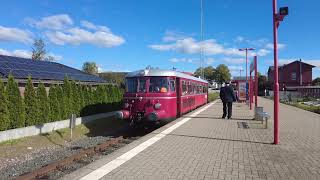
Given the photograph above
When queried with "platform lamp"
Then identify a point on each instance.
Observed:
(277, 18)
(246, 49)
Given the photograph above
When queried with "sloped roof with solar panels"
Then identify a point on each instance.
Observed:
(21, 68)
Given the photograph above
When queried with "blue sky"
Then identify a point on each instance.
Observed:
(129, 35)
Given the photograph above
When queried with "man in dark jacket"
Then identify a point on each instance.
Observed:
(227, 97)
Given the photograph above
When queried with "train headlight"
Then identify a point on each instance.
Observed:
(126, 105)
(157, 106)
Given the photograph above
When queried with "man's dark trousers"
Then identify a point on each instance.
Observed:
(227, 106)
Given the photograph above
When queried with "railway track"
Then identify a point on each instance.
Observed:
(85, 156)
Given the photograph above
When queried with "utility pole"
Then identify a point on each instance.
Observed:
(246, 49)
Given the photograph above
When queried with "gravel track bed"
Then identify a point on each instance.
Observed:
(35, 160)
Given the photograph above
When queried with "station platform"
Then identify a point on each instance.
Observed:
(201, 145)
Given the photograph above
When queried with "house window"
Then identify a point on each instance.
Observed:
(294, 76)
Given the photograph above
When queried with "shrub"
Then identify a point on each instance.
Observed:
(4, 113)
(15, 104)
(31, 104)
(67, 98)
(75, 101)
(43, 104)
(61, 99)
(54, 104)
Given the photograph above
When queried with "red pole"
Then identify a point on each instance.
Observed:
(250, 91)
(246, 64)
(276, 83)
(247, 90)
(256, 80)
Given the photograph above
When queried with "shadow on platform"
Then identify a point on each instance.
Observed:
(221, 139)
(219, 118)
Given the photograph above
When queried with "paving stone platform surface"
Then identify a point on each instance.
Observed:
(208, 147)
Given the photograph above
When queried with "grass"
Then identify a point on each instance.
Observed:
(213, 96)
(299, 104)
(58, 138)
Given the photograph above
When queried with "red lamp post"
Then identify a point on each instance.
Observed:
(247, 49)
(277, 18)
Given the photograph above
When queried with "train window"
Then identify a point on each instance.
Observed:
(134, 85)
(190, 91)
(142, 85)
(184, 88)
(159, 84)
(172, 85)
(205, 89)
(200, 89)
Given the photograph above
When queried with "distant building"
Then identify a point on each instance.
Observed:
(42, 71)
(294, 74)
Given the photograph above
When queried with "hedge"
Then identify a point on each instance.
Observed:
(38, 107)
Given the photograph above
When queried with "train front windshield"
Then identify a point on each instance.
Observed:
(135, 85)
(139, 85)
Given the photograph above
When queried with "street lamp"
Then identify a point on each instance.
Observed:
(246, 49)
(277, 18)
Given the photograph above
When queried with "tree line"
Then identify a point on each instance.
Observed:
(37, 106)
(219, 74)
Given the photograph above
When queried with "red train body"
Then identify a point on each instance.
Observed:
(155, 95)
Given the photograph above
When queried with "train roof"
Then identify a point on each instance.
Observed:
(160, 72)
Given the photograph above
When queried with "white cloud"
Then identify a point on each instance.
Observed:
(239, 39)
(171, 36)
(191, 46)
(270, 46)
(262, 52)
(16, 53)
(92, 26)
(77, 36)
(55, 22)
(177, 60)
(209, 61)
(235, 60)
(25, 54)
(15, 34)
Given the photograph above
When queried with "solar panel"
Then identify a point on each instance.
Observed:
(42, 70)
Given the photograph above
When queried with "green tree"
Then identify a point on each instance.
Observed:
(208, 72)
(15, 104)
(4, 113)
(75, 100)
(222, 73)
(62, 101)
(90, 68)
(54, 104)
(43, 103)
(81, 90)
(316, 81)
(67, 97)
(31, 104)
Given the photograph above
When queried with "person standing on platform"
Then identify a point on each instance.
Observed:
(227, 97)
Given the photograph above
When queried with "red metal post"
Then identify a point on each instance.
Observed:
(246, 65)
(276, 83)
(256, 80)
(250, 91)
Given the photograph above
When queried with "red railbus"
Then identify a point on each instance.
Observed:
(154, 95)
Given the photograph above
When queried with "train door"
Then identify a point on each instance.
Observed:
(178, 93)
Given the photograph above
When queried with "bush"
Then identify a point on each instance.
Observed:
(31, 104)
(43, 104)
(4, 113)
(54, 104)
(15, 104)
(37, 107)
